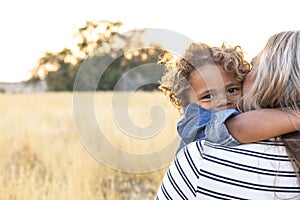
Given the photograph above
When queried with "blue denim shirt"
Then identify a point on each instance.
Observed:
(202, 124)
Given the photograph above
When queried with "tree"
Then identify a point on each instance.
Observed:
(95, 39)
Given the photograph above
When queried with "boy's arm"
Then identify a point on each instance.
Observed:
(192, 126)
(217, 132)
(256, 125)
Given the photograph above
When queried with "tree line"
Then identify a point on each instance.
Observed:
(98, 40)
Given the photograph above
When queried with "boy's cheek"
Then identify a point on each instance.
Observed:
(192, 97)
(236, 98)
(205, 105)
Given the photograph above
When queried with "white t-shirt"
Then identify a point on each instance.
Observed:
(203, 170)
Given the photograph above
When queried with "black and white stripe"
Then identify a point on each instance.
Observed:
(209, 171)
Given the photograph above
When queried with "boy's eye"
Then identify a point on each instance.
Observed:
(232, 90)
(207, 96)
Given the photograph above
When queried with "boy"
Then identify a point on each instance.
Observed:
(206, 83)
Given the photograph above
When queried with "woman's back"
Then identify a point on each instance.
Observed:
(259, 170)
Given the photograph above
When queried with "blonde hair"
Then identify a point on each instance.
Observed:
(277, 84)
(175, 83)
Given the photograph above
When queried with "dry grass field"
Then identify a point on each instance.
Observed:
(42, 156)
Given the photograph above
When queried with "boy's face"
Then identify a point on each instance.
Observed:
(213, 88)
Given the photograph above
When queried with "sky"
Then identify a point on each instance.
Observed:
(31, 27)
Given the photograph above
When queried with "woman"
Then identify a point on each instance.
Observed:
(261, 170)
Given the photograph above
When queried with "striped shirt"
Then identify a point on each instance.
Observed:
(204, 170)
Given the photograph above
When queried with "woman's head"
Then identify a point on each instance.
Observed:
(276, 74)
(176, 82)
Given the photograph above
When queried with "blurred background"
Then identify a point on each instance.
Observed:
(31, 28)
(43, 45)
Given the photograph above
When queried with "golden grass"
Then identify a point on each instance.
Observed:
(42, 157)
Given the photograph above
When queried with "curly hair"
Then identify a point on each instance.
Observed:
(175, 82)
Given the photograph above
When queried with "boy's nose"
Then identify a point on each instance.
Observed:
(222, 103)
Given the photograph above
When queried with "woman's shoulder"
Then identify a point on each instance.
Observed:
(236, 171)
(240, 169)
(265, 153)
(263, 150)
(269, 147)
